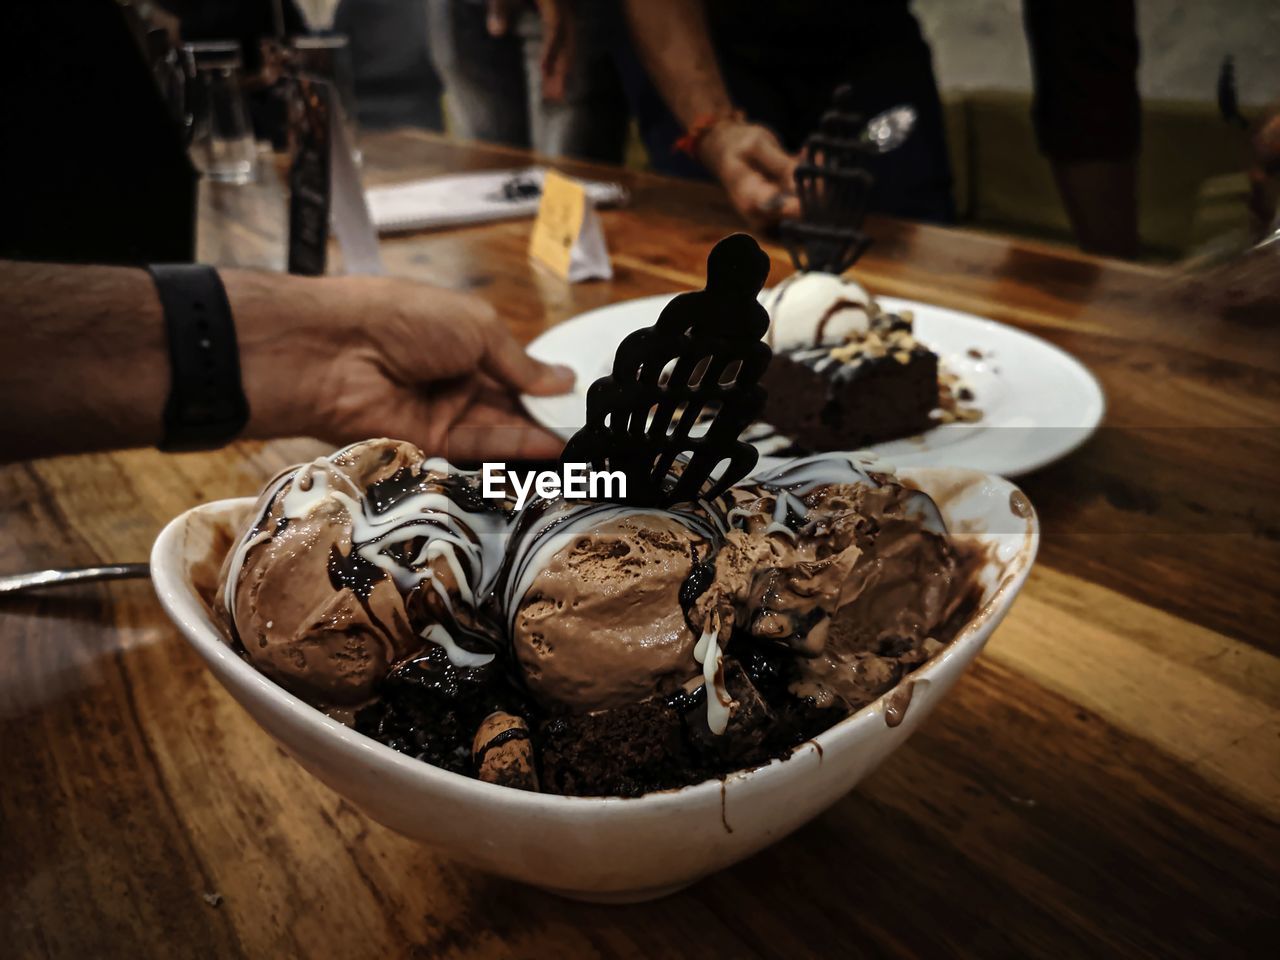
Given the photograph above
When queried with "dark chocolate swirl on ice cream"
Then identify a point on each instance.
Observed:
(409, 554)
(365, 560)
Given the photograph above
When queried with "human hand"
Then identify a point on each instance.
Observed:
(557, 40)
(499, 15)
(557, 48)
(1101, 197)
(346, 358)
(1264, 175)
(757, 173)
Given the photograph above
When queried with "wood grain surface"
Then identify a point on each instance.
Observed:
(1105, 781)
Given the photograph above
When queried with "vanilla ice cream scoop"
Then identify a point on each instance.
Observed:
(811, 310)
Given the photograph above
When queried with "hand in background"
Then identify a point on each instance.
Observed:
(377, 356)
(557, 48)
(1264, 175)
(757, 172)
(557, 40)
(1101, 197)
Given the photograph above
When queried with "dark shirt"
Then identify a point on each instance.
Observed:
(396, 83)
(1084, 53)
(93, 167)
(1084, 57)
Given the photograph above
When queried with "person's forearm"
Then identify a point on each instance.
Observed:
(87, 366)
(1087, 114)
(86, 359)
(675, 47)
(1101, 198)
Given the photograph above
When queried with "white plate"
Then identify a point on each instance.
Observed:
(1038, 403)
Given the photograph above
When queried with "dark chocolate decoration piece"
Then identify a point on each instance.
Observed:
(834, 188)
(703, 359)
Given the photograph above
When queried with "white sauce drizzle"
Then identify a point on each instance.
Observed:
(765, 438)
(250, 540)
(784, 504)
(437, 634)
(719, 703)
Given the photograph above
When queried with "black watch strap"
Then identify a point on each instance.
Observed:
(206, 406)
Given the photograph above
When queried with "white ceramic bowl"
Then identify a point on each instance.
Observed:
(607, 849)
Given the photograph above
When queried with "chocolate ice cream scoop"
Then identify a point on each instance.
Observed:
(796, 537)
(863, 573)
(354, 562)
(829, 556)
(594, 601)
(909, 582)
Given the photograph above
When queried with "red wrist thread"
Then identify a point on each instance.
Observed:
(688, 144)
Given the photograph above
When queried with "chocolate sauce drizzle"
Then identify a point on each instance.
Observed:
(350, 571)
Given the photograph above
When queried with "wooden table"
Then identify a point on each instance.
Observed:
(1105, 780)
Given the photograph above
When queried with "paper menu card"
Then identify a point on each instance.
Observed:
(457, 199)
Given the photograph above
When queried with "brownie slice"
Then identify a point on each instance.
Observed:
(847, 397)
(622, 752)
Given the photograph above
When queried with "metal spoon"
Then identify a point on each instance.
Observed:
(888, 130)
(40, 579)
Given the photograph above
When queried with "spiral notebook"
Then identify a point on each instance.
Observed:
(457, 199)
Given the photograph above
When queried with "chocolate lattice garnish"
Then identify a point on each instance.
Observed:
(834, 188)
(699, 365)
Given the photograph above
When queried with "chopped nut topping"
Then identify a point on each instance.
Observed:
(888, 334)
(951, 394)
(847, 353)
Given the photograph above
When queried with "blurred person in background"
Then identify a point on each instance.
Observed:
(247, 21)
(86, 363)
(531, 73)
(396, 83)
(95, 165)
(1264, 176)
(743, 82)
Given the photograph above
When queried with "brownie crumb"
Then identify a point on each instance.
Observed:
(431, 710)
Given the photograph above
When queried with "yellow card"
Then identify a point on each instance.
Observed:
(559, 221)
(567, 237)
